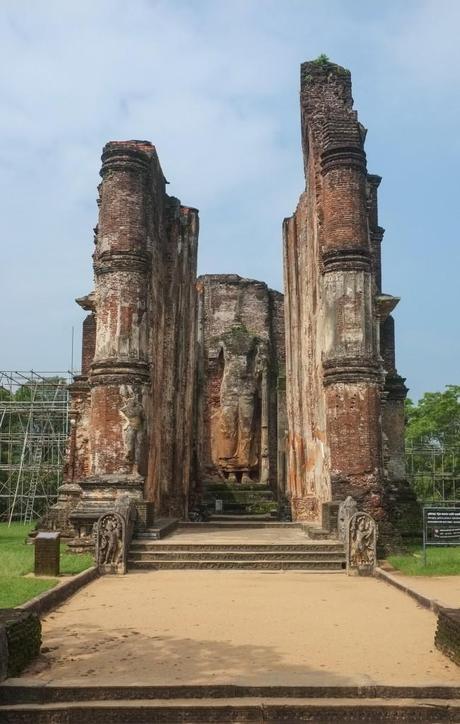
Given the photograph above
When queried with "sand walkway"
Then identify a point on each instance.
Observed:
(241, 627)
(444, 589)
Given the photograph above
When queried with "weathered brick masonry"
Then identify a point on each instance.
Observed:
(339, 374)
(132, 406)
(184, 383)
(20, 640)
(447, 638)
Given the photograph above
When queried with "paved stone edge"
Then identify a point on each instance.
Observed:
(15, 691)
(48, 600)
(431, 603)
(276, 711)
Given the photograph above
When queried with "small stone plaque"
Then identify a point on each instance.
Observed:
(47, 551)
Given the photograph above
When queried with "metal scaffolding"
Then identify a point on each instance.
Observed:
(434, 472)
(34, 426)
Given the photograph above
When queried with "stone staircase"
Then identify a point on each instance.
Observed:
(34, 703)
(309, 556)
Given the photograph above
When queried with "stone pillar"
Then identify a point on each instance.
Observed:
(119, 375)
(352, 371)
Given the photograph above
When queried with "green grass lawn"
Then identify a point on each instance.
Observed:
(17, 560)
(439, 561)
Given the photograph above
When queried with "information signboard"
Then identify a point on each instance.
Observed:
(441, 526)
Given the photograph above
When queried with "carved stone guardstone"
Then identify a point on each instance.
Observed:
(361, 545)
(347, 509)
(110, 536)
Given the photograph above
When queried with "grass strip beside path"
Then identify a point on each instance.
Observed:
(440, 561)
(17, 560)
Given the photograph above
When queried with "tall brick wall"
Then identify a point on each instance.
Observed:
(334, 307)
(171, 439)
(241, 350)
(132, 406)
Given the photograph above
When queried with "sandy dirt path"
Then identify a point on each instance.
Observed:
(445, 589)
(242, 627)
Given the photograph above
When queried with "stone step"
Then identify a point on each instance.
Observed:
(240, 495)
(238, 524)
(236, 488)
(243, 518)
(142, 555)
(301, 564)
(326, 547)
(162, 528)
(316, 533)
(246, 709)
(25, 690)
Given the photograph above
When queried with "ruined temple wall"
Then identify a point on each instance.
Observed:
(170, 481)
(231, 301)
(334, 371)
(278, 430)
(134, 428)
(308, 479)
(232, 311)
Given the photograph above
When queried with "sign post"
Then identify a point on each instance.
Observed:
(441, 527)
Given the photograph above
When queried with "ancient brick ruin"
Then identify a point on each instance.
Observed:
(132, 406)
(345, 400)
(240, 384)
(190, 383)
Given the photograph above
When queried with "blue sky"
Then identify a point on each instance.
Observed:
(214, 85)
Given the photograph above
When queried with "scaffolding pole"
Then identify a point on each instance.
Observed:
(34, 428)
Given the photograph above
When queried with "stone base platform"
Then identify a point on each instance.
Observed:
(264, 546)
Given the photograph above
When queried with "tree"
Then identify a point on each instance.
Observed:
(435, 419)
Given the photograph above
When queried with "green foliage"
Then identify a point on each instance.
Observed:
(322, 59)
(433, 444)
(435, 419)
(17, 561)
(15, 591)
(439, 562)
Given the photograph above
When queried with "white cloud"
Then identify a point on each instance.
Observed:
(214, 84)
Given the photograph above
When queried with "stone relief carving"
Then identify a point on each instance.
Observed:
(361, 544)
(237, 444)
(133, 427)
(109, 540)
(305, 508)
(347, 509)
